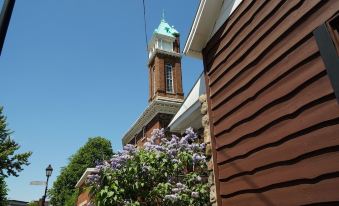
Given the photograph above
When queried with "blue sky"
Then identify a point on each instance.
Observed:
(73, 69)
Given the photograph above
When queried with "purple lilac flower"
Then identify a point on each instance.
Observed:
(195, 194)
(128, 202)
(171, 145)
(172, 198)
(174, 139)
(179, 188)
(119, 159)
(195, 147)
(168, 147)
(147, 144)
(203, 146)
(159, 148)
(104, 165)
(145, 168)
(176, 190)
(157, 134)
(198, 178)
(164, 140)
(184, 140)
(130, 148)
(190, 134)
(196, 158)
(154, 147)
(172, 153)
(171, 179)
(101, 167)
(92, 178)
(180, 185)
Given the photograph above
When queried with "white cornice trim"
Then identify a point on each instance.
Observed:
(159, 105)
(85, 175)
(169, 99)
(160, 51)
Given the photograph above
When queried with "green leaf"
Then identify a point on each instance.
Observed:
(110, 194)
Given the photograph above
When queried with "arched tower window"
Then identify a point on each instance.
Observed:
(154, 81)
(169, 78)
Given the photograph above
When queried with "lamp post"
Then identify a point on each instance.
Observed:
(49, 171)
(5, 17)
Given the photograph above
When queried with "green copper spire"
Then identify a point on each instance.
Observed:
(165, 29)
(163, 15)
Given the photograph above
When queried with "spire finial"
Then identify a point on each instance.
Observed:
(163, 15)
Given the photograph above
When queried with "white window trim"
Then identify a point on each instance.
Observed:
(159, 45)
(154, 82)
(171, 79)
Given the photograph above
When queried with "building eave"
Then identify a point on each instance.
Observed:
(84, 176)
(190, 118)
(205, 24)
(202, 27)
(159, 105)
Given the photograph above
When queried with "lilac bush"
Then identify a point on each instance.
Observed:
(166, 171)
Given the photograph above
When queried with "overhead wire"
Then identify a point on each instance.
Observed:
(145, 24)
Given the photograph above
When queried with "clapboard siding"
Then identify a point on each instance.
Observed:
(301, 192)
(251, 89)
(274, 156)
(275, 112)
(274, 116)
(308, 169)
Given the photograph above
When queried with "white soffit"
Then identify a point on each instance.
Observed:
(227, 9)
(83, 178)
(190, 106)
(209, 18)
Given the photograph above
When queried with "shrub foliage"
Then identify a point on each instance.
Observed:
(166, 171)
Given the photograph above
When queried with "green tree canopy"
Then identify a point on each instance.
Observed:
(95, 150)
(3, 192)
(11, 163)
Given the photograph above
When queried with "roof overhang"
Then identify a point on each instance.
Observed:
(206, 22)
(84, 176)
(161, 51)
(160, 105)
(189, 114)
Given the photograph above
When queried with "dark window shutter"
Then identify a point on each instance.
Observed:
(327, 37)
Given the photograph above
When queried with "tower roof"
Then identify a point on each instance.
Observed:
(165, 29)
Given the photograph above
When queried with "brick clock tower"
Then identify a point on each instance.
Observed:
(164, 64)
(165, 84)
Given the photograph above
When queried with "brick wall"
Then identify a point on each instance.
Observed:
(83, 198)
(160, 82)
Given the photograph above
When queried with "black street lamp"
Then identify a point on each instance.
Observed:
(5, 17)
(49, 171)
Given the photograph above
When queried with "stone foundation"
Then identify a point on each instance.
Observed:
(207, 140)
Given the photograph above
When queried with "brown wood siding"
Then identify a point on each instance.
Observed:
(273, 113)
